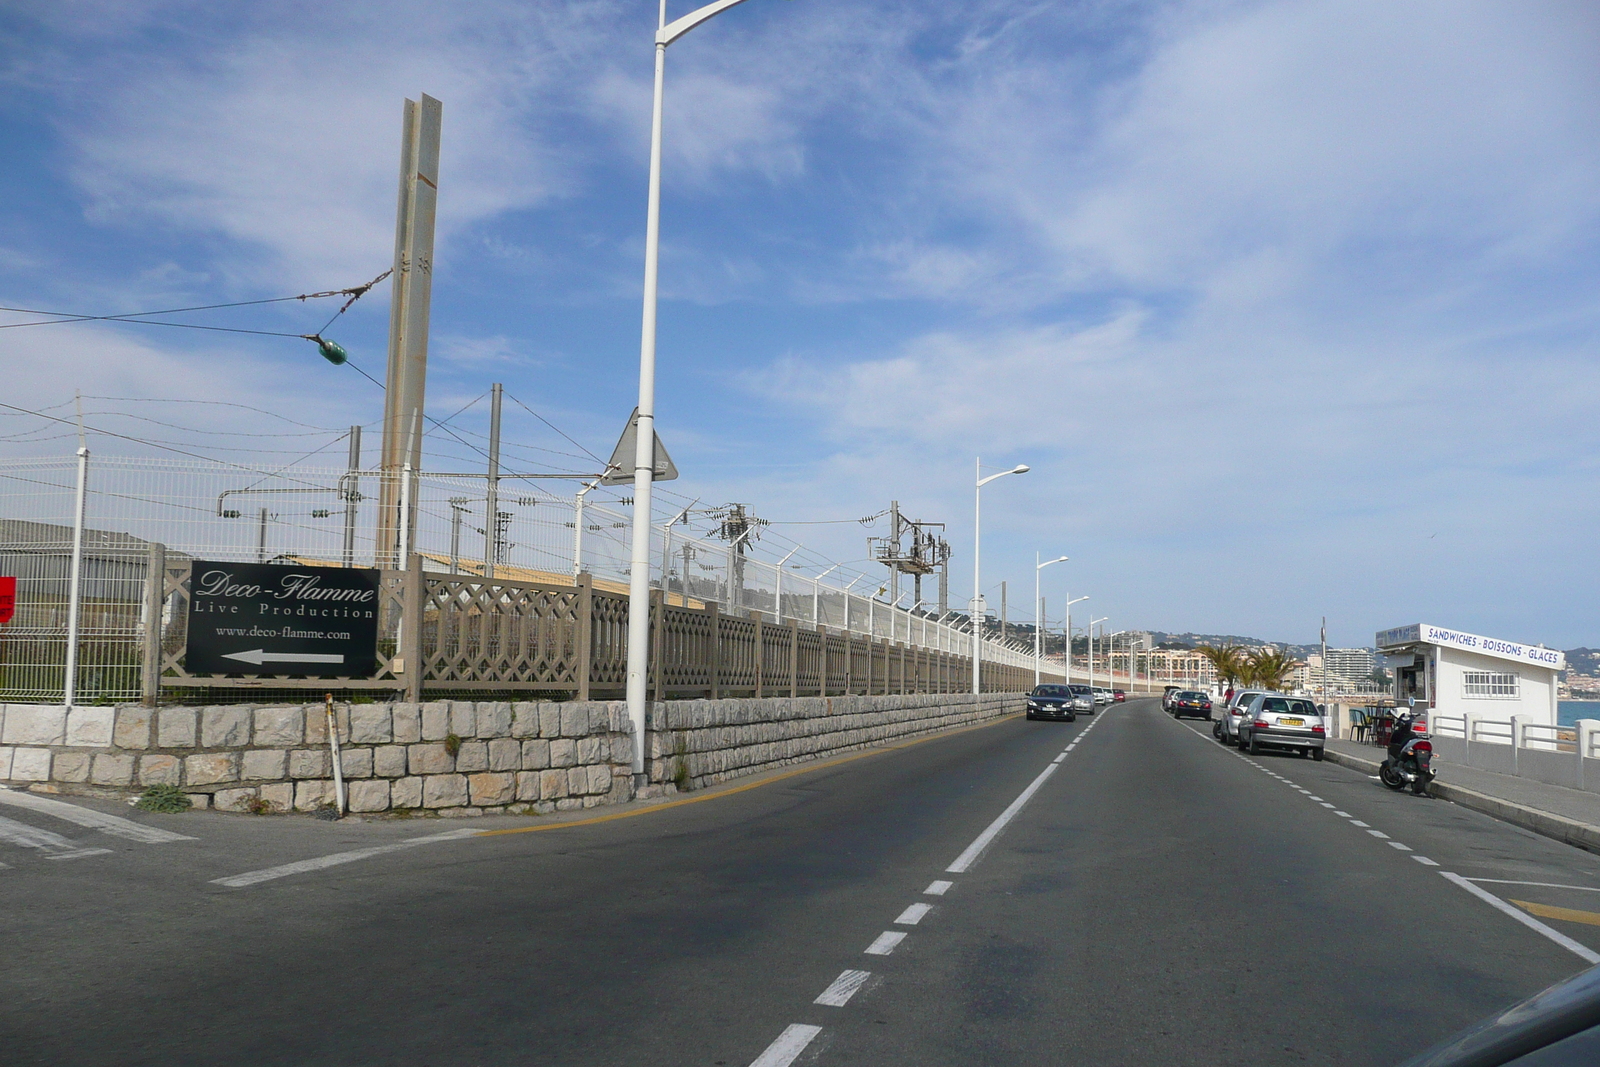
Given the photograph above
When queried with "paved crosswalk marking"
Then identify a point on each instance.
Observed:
(114, 825)
(54, 846)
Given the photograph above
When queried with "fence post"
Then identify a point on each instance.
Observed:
(1516, 744)
(658, 636)
(411, 630)
(794, 657)
(155, 588)
(761, 653)
(822, 660)
(69, 686)
(716, 649)
(584, 611)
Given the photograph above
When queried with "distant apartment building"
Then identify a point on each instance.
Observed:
(1349, 665)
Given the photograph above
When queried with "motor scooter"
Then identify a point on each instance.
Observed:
(1410, 762)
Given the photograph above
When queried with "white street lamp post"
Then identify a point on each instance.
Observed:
(1090, 631)
(977, 586)
(644, 459)
(1070, 602)
(1038, 612)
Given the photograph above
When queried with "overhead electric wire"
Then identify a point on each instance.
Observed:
(354, 293)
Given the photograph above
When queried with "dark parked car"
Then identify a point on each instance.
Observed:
(1557, 1028)
(1052, 702)
(1190, 702)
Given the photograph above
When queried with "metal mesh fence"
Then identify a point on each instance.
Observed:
(242, 512)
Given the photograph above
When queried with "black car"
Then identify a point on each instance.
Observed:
(1559, 1027)
(1189, 702)
(1052, 702)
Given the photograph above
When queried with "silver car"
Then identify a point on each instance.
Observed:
(1226, 726)
(1273, 720)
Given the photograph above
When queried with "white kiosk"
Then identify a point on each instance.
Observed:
(1460, 674)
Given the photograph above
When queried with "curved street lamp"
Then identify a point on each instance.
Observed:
(644, 459)
(977, 587)
(1038, 612)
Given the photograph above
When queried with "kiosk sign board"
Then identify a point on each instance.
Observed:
(1424, 634)
(267, 618)
(8, 599)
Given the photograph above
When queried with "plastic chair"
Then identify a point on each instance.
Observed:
(1358, 724)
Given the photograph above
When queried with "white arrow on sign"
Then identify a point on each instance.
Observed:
(258, 657)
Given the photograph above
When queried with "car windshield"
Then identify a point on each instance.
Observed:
(1191, 696)
(1050, 691)
(1081, 690)
(1285, 706)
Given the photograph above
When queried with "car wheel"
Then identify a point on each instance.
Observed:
(1072, 718)
(1255, 746)
(1030, 716)
(1317, 755)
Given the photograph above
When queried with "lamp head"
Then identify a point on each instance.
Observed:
(1020, 468)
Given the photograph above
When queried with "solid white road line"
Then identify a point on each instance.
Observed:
(913, 914)
(1425, 861)
(98, 820)
(973, 851)
(787, 1048)
(239, 881)
(54, 846)
(1543, 885)
(937, 889)
(1581, 951)
(843, 988)
(885, 943)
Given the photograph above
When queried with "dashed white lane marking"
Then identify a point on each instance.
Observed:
(1327, 805)
(54, 846)
(913, 914)
(788, 1046)
(98, 820)
(1581, 951)
(1379, 834)
(937, 889)
(1059, 758)
(239, 881)
(1398, 845)
(1358, 822)
(1317, 799)
(885, 943)
(847, 985)
(1343, 814)
(1425, 861)
(973, 851)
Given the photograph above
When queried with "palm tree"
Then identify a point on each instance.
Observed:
(1228, 661)
(1270, 668)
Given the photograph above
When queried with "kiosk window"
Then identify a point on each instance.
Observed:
(1490, 684)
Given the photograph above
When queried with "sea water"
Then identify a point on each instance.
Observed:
(1568, 712)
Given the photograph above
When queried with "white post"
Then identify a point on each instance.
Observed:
(577, 528)
(75, 586)
(777, 598)
(644, 459)
(405, 511)
(492, 556)
(977, 585)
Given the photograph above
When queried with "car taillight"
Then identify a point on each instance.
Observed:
(1319, 730)
(1261, 722)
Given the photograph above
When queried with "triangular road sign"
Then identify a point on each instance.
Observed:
(620, 469)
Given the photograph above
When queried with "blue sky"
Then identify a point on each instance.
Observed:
(1291, 306)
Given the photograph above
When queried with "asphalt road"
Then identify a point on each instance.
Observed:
(1158, 899)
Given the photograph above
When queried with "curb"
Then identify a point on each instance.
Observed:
(1558, 827)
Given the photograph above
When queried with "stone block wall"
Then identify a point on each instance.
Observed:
(510, 756)
(714, 740)
(521, 756)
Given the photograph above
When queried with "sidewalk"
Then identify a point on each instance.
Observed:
(1568, 815)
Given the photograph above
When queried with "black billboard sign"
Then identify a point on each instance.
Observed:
(267, 618)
